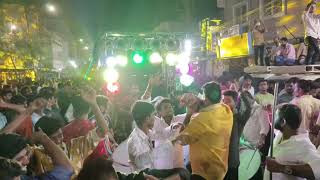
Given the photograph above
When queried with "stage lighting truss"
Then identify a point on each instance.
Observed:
(138, 44)
(155, 44)
(171, 48)
(173, 44)
(121, 44)
(154, 41)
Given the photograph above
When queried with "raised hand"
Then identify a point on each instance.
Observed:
(52, 102)
(38, 103)
(89, 95)
(190, 101)
(155, 80)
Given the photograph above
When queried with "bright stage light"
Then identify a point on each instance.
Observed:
(13, 27)
(86, 48)
(186, 80)
(113, 87)
(122, 60)
(188, 46)
(116, 35)
(183, 58)
(51, 8)
(73, 64)
(183, 68)
(111, 75)
(171, 59)
(137, 58)
(111, 62)
(155, 58)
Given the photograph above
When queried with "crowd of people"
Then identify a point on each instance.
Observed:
(70, 131)
(281, 52)
(76, 129)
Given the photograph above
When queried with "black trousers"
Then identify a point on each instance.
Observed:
(259, 54)
(313, 50)
(267, 61)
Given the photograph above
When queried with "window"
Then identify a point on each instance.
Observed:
(273, 7)
(240, 12)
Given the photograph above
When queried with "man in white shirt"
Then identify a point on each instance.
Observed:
(312, 32)
(309, 105)
(290, 147)
(246, 84)
(257, 126)
(140, 147)
(166, 128)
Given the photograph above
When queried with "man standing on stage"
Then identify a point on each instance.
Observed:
(258, 37)
(312, 32)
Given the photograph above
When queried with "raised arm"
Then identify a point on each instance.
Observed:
(89, 95)
(15, 124)
(58, 157)
(18, 108)
(153, 81)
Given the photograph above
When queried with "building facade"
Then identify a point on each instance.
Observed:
(281, 17)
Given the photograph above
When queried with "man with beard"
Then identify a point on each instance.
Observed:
(287, 95)
(208, 135)
(290, 147)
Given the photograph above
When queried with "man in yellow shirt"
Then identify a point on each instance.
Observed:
(208, 135)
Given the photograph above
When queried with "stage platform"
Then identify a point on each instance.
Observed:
(310, 72)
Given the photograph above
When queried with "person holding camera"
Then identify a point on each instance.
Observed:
(258, 37)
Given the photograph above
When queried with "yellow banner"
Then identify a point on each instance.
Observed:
(236, 46)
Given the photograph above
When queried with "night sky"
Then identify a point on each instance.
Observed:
(92, 17)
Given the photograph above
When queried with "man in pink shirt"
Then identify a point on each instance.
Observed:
(286, 54)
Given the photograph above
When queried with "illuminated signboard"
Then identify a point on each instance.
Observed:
(235, 46)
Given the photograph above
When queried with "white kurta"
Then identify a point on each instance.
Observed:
(296, 150)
